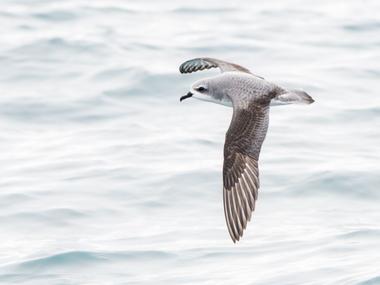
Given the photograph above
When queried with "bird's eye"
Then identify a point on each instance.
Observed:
(201, 89)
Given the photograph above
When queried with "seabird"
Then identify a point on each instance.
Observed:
(250, 96)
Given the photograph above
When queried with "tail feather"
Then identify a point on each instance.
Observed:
(293, 97)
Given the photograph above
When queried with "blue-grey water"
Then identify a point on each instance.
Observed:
(105, 178)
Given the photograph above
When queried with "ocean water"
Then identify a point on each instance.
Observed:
(106, 178)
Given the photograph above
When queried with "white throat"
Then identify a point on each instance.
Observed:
(208, 98)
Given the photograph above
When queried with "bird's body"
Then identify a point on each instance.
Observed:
(241, 88)
(251, 97)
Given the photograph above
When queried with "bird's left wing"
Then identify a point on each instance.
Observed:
(202, 63)
(240, 169)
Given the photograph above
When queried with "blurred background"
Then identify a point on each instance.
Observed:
(105, 178)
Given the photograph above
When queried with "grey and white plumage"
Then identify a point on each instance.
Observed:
(251, 97)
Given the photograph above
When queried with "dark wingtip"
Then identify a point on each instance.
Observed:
(181, 68)
(196, 64)
(186, 67)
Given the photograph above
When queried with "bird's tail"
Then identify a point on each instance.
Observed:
(292, 97)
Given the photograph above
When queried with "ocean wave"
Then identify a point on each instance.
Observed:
(107, 179)
(81, 258)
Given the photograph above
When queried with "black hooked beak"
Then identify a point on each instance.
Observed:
(188, 95)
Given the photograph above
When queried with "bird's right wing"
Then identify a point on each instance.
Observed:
(202, 63)
(240, 169)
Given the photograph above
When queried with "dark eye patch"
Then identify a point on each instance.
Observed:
(201, 89)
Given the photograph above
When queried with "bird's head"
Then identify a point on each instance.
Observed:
(209, 89)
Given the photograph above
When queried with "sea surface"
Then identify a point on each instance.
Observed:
(106, 178)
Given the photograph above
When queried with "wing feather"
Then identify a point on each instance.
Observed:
(237, 213)
(240, 204)
(240, 169)
(203, 63)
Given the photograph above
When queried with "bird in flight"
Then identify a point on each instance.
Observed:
(250, 96)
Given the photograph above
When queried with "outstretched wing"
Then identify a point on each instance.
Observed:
(242, 147)
(202, 63)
